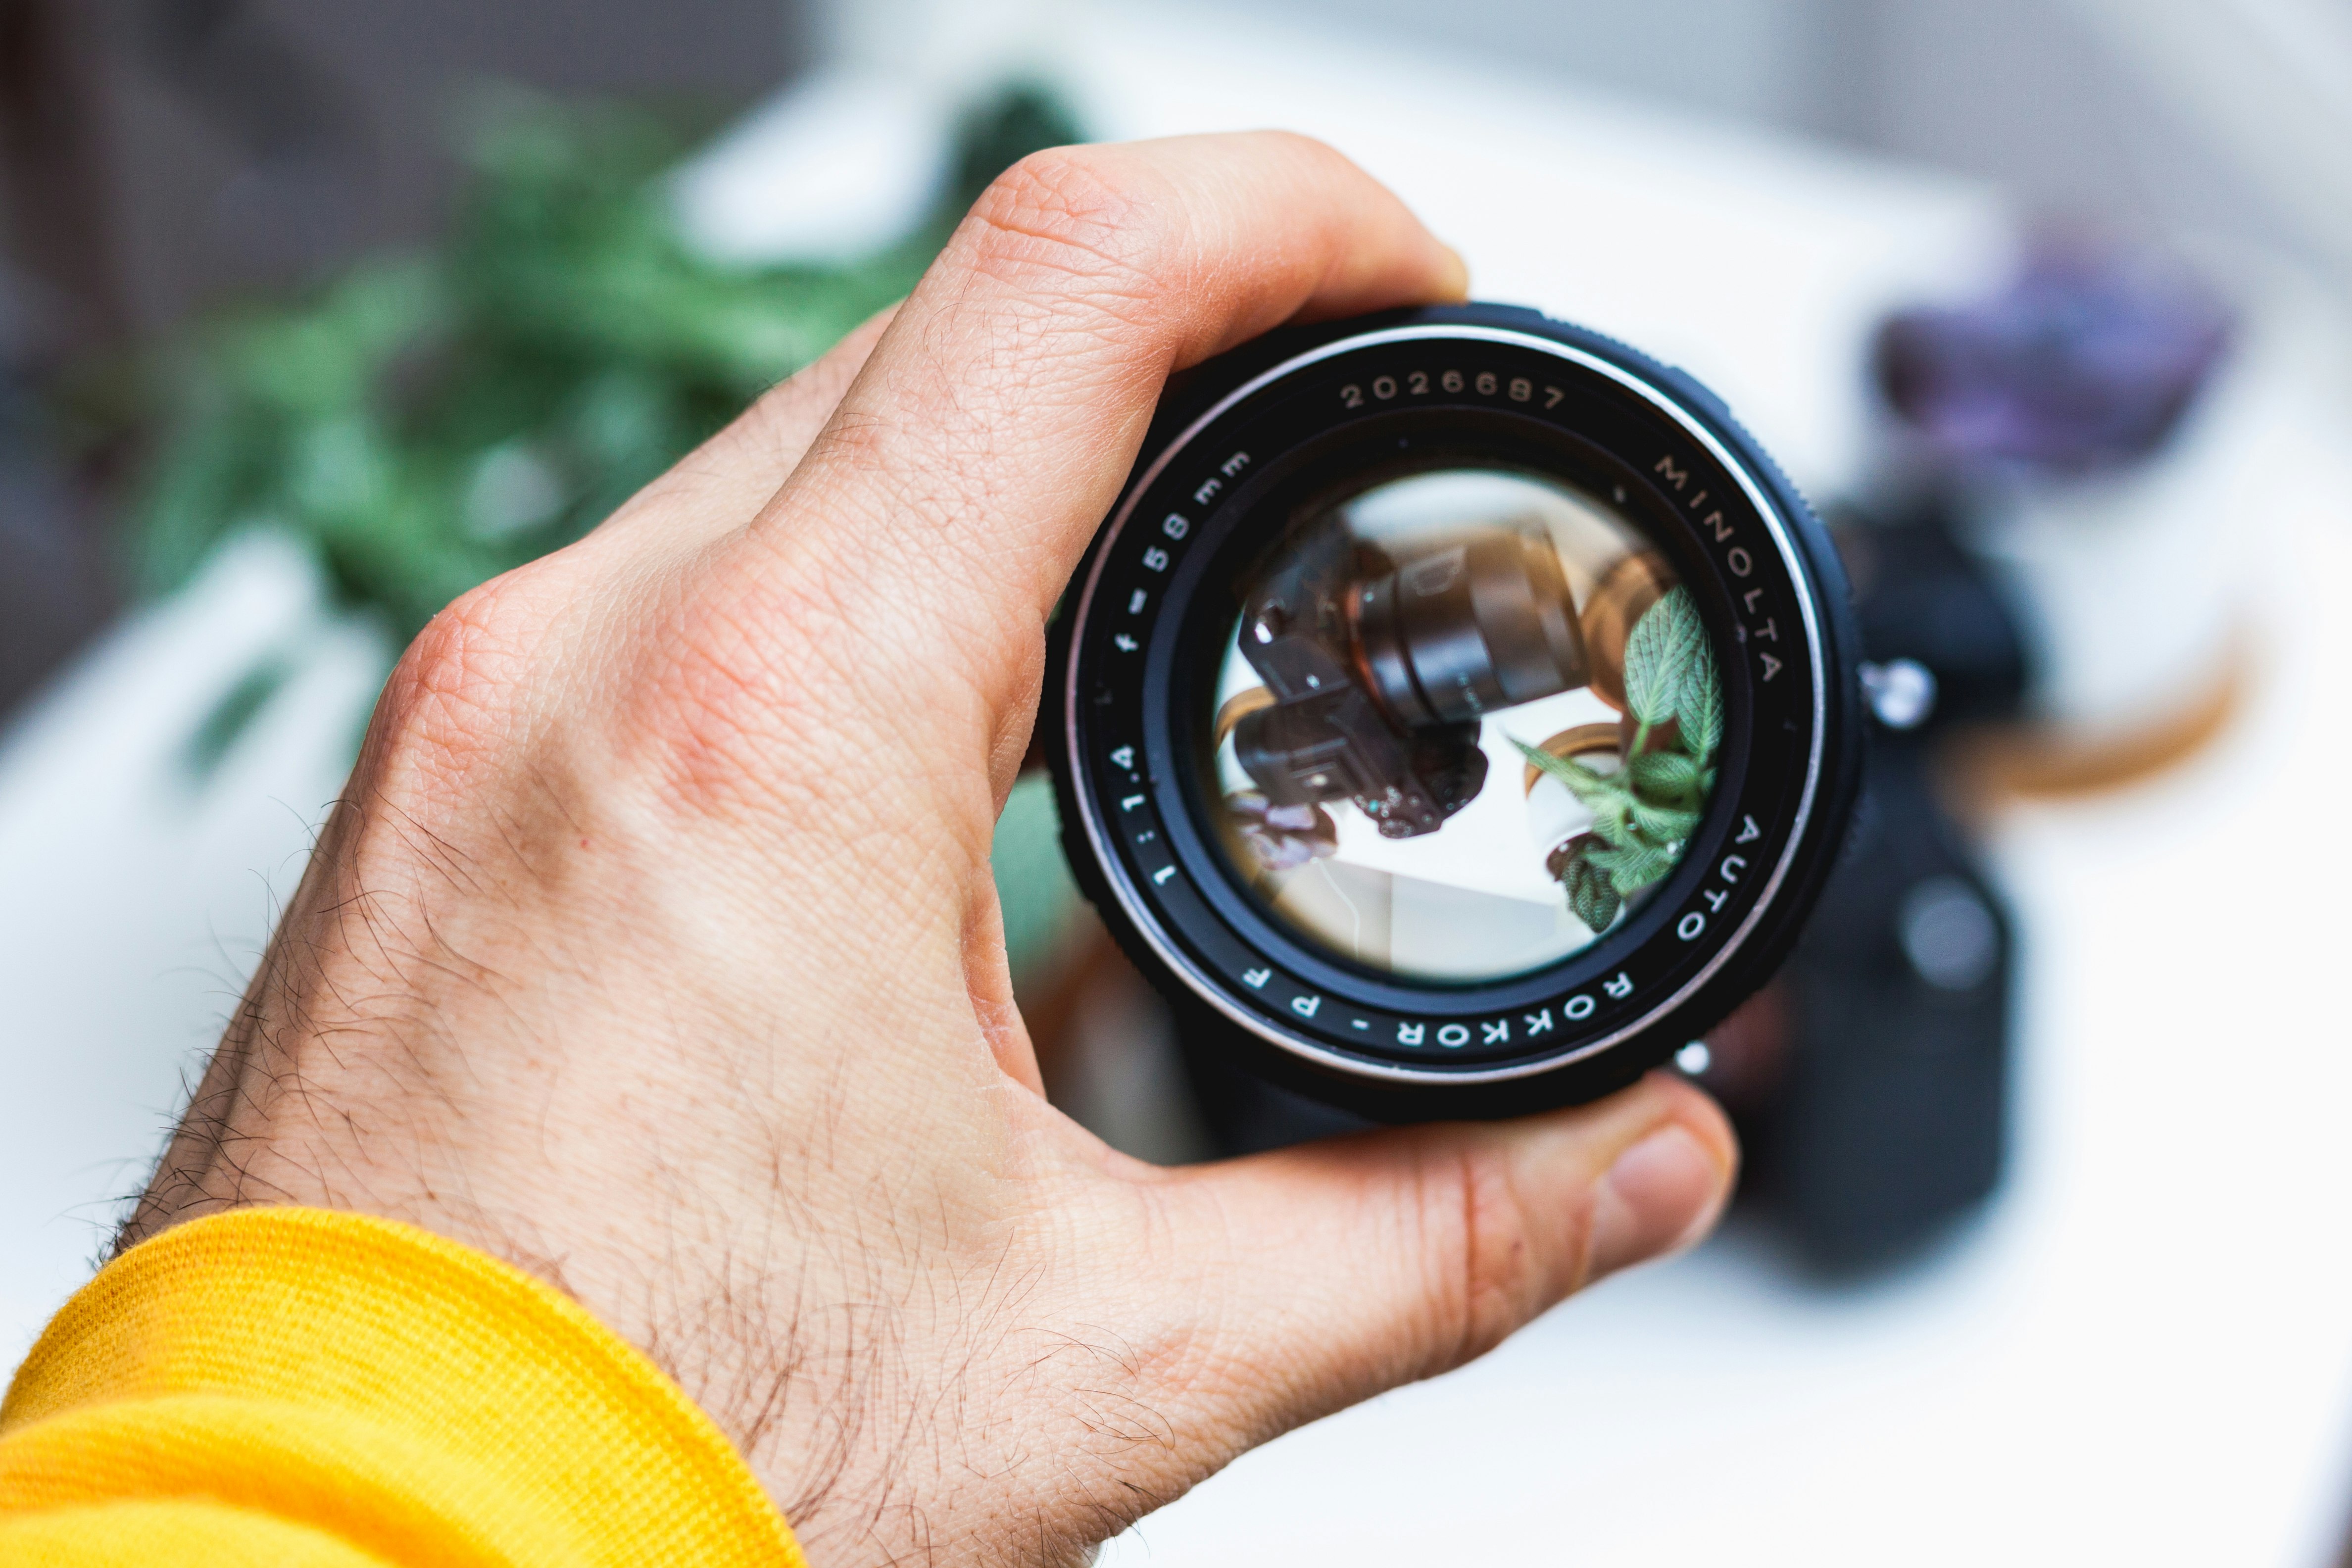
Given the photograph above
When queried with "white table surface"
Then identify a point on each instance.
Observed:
(2143, 1352)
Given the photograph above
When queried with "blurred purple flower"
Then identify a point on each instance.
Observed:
(2086, 361)
(1283, 837)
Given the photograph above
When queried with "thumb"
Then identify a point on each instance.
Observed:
(1342, 1269)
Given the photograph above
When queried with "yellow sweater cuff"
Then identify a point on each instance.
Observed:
(307, 1387)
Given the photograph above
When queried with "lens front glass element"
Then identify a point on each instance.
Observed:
(1466, 720)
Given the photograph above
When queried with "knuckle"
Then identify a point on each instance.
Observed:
(772, 692)
(452, 698)
(1083, 212)
(1489, 1272)
(732, 681)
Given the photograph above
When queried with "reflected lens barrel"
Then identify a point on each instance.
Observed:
(1482, 624)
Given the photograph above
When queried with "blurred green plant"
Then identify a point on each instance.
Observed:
(430, 420)
(1644, 811)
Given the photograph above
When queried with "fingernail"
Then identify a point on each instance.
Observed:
(1661, 1194)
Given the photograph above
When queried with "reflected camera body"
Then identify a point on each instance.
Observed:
(1377, 671)
(1457, 713)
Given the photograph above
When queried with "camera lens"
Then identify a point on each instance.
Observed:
(1408, 653)
(1456, 715)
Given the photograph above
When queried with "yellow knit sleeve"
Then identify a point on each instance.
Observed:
(332, 1391)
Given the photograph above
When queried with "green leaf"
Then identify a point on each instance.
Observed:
(1667, 642)
(1592, 897)
(1609, 820)
(1701, 706)
(1581, 781)
(1632, 870)
(1594, 901)
(1664, 824)
(1663, 774)
(236, 709)
(1633, 880)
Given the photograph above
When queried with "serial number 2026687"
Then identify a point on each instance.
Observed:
(1421, 384)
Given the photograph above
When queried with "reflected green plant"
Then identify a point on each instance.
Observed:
(1646, 811)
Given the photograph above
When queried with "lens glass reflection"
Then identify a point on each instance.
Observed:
(1466, 720)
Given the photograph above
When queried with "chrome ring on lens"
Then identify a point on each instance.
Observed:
(1456, 715)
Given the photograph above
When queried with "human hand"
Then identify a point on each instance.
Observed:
(655, 947)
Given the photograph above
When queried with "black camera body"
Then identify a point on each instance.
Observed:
(1456, 715)
(1327, 734)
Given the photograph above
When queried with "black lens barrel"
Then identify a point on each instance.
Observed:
(1381, 667)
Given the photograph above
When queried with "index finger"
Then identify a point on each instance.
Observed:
(968, 465)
